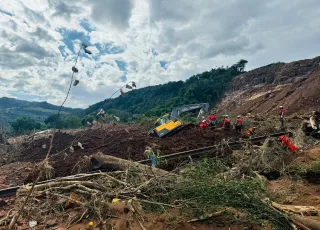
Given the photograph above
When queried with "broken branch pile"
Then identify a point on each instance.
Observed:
(92, 193)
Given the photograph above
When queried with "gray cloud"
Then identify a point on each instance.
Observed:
(34, 16)
(32, 49)
(65, 10)
(174, 10)
(117, 12)
(20, 84)
(41, 33)
(229, 47)
(206, 28)
(12, 60)
(13, 24)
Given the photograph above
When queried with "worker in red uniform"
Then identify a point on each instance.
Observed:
(203, 123)
(227, 122)
(213, 120)
(281, 116)
(239, 124)
(286, 142)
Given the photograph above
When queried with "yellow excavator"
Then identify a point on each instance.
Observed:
(169, 124)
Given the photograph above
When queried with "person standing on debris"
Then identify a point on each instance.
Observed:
(203, 123)
(227, 122)
(150, 154)
(213, 120)
(239, 124)
(315, 121)
(281, 116)
(101, 114)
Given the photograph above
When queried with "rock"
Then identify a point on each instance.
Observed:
(3, 203)
(61, 201)
(51, 223)
(3, 213)
(2, 179)
(3, 186)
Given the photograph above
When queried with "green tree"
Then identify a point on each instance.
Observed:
(63, 121)
(87, 118)
(208, 86)
(25, 124)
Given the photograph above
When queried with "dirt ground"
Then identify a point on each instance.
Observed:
(124, 141)
(129, 142)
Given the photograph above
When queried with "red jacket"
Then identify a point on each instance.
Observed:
(212, 118)
(239, 121)
(281, 113)
(286, 142)
(227, 121)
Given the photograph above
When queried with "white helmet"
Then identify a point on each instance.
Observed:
(238, 116)
(226, 115)
(281, 107)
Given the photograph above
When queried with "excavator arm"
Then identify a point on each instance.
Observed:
(204, 108)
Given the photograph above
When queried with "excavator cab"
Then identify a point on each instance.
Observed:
(162, 120)
(169, 124)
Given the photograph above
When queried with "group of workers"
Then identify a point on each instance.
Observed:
(238, 123)
(227, 123)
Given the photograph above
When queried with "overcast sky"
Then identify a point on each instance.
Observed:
(146, 41)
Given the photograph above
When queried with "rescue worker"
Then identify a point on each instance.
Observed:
(250, 131)
(281, 116)
(213, 120)
(286, 142)
(203, 123)
(101, 116)
(315, 122)
(227, 122)
(239, 124)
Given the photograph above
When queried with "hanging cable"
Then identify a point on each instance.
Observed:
(74, 70)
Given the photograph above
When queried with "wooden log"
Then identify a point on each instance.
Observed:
(101, 161)
(305, 210)
(309, 223)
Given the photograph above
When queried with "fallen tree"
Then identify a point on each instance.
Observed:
(101, 161)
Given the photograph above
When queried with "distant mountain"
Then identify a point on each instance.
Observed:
(11, 109)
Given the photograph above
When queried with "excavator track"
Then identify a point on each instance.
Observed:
(180, 128)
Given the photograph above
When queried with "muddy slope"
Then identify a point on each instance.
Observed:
(294, 85)
(126, 142)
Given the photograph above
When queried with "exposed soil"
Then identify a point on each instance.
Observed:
(124, 141)
(293, 85)
(288, 191)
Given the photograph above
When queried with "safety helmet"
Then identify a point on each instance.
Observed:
(238, 116)
(281, 107)
(203, 117)
(226, 115)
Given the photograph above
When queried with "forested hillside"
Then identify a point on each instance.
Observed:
(11, 109)
(208, 86)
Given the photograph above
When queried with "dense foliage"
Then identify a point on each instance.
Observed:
(63, 121)
(155, 100)
(24, 125)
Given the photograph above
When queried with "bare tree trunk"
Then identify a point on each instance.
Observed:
(101, 161)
